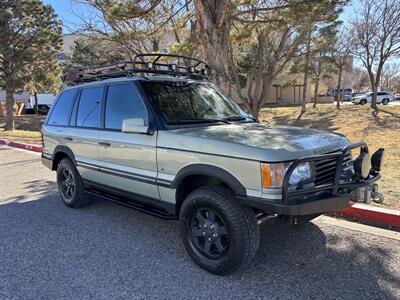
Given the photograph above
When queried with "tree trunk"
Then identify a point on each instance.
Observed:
(215, 20)
(9, 109)
(339, 83)
(36, 110)
(316, 92)
(374, 97)
(306, 67)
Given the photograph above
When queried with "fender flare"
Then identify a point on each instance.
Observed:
(212, 171)
(67, 151)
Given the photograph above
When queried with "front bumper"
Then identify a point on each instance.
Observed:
(331, 196)
(298, 209)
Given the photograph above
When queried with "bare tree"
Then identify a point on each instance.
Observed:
(357, 78)
(342, 59)
(390, 76)
(375, 37)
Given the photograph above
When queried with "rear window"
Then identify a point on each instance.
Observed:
(62, 109)
(89, 107)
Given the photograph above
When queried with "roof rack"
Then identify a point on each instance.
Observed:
(144, 64)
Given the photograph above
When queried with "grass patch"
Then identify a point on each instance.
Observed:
(380, 130)
(23, 136)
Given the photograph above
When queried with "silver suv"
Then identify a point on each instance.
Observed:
(175, 146)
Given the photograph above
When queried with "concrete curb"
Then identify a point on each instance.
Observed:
(24, 146)
(373, 214)
(360, 211)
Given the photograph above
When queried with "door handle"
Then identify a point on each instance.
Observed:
(104, 144)
(68, 138)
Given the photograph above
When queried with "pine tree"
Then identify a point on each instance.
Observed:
(29, 33)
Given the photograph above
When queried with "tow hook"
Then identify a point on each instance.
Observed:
(368, 194)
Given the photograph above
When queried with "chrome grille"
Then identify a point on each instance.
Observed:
(325, 169)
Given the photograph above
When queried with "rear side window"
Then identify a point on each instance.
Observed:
(62, 109)
(89, 107)
(123, 102)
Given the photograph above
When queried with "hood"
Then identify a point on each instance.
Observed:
(256, 141)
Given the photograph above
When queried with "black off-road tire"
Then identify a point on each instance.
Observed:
(77, 196)
(243, 234)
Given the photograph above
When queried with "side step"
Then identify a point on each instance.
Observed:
(131, 204)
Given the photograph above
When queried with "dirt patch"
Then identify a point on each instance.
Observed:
(26, 129)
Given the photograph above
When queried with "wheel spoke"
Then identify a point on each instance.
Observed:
(218, 244)
(197, 233)
(200, 218)
(211, 216)
(207, 247)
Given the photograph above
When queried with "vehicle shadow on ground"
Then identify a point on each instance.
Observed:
(105, 250)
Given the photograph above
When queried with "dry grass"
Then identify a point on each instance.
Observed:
(23, 136)
(357, 123)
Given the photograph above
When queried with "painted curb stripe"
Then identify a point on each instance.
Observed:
(378, 215)
(29, 147)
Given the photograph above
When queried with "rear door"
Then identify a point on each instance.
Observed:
(129, 161)
(83, 132)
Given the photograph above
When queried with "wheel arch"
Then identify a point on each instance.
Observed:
(195, 175)
(61, 152)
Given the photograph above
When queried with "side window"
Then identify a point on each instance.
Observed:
(62, 109)
(89, 107)
(123, 102)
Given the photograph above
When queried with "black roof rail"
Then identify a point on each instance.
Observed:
(144, 64)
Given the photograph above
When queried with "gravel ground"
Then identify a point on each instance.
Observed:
(106, 251)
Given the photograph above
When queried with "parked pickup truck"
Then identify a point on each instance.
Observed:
(160, 138)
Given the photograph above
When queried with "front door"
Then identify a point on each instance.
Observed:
(128, 159)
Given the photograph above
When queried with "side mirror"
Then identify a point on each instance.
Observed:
(135, 125)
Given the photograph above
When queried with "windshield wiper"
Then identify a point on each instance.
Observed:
(194, 120)
(239, 118)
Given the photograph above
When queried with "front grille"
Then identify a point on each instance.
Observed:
(325, 169)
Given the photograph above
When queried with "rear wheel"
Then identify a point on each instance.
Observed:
(385, 101)
(219, 234)
(363, 101)
(70, 184)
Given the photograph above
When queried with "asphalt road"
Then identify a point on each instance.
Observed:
(104, 251)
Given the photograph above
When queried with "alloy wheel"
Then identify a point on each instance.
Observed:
(209, 234)
(67, 184)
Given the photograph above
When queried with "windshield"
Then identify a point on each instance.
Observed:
(192, 102)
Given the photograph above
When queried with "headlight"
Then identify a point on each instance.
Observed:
(273, 174)
(303, 172)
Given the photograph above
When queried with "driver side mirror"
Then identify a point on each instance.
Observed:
(135, 125)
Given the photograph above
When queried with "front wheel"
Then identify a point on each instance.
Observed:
(363, 102)
(219, 234)
(385, 101)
